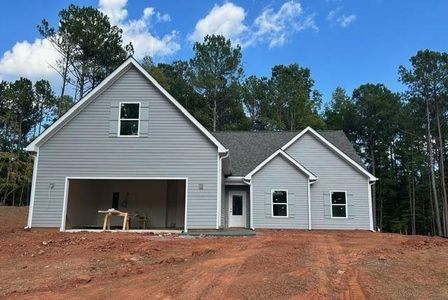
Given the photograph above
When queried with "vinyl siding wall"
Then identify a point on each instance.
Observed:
(169, 146)
(282, 175)
(333, 174)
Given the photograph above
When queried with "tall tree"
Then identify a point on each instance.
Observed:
(255, 96)
(24, 109)
(411, 153)
(215, 72)
(45, 101)
(24, 113)
(296, 102)
(376, 128)
(427, 82)
(174, 78)
(89, 45)
(340, 113)
(61, 43)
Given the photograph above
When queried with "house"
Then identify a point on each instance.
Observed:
(130, 145)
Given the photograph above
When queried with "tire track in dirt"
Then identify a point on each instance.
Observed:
(334, 272)
(225, 271)
(322, 252)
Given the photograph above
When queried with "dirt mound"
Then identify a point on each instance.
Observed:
(13, 218)
(424, 242)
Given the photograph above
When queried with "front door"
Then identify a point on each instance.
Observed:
(237, 209)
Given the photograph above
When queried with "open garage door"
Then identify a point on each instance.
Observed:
(150, 203)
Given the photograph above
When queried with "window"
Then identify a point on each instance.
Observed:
(279, 203)
(339, 204)
(129, 121)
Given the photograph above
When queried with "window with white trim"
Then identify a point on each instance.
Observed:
(279, 203)
(339, 204)
(129, 121)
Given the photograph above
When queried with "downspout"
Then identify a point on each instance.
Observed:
(369, 187)
(310, 182)
(219, 188)
(249, 182)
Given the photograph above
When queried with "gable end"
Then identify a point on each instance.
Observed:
(75, 109)
(333, 148)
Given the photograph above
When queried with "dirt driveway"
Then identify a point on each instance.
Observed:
(274, 264)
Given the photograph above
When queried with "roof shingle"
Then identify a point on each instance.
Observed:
(249, 148)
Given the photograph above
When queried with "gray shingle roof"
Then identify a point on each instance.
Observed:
(248, 148)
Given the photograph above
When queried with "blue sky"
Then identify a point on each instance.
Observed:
(344, 42)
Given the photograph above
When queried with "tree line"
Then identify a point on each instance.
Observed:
(401, 137)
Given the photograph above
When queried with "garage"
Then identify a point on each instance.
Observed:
(150, 203)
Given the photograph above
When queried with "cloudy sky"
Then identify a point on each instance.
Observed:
(343, 42)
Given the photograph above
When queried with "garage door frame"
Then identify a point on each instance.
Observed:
(67, 186)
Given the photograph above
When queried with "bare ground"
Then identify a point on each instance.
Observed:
(47, 264)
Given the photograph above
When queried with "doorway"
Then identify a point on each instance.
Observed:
(237, 209)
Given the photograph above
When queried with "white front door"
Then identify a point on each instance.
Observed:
(237, 209)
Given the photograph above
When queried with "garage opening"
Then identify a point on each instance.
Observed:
(150, 203)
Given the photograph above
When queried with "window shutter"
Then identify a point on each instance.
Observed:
(144, 119)
(113, 119)
(291, 205)
(327, 206)
(267, 203)
(350, 206)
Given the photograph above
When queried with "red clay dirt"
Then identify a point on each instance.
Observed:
(47, 264)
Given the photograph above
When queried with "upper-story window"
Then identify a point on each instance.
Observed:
(129, 121)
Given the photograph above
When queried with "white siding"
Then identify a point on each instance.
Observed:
(333, 174)
(169, 146)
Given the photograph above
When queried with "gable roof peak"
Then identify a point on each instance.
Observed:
(332, 147)
(294, 162)
(75, 109)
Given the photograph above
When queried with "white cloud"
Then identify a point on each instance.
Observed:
(333, 13)
(337, 18)
(276, 26)
(345, 21)
(273, 27)
(227, 20)
(138, 31)
(114, 9)
(32, 60)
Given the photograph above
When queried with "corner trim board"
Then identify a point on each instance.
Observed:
(369, 191)
(251, 203)
(33, 189)
(218, 192)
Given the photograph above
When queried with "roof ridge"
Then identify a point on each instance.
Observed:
(273, 131)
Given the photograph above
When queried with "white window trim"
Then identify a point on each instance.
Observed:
(120, 119)
(346, 204)
(272, 203)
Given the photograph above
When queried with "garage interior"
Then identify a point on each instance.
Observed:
(151, 204)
